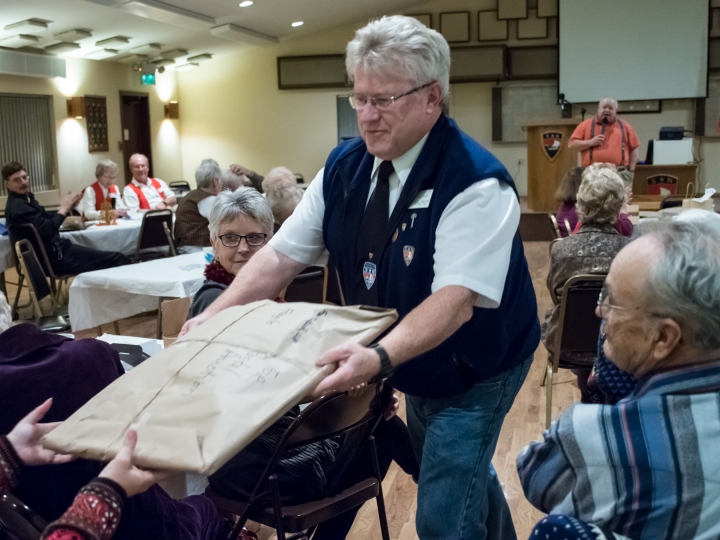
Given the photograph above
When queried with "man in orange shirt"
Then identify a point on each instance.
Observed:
(607, 139)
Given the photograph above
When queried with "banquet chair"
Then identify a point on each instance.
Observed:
(39, 290)
(155, 233)
(308, 286)
(554, 225)
(578, 329)
(328, 416)
(30, 233)
(179, 187)
(19, 521)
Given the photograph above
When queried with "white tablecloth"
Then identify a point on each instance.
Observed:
(121, 237)
(109, 295)
(7, 257)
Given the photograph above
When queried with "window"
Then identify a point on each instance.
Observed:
(26, 135)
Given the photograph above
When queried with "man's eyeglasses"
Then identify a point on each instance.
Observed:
(359, 102)
(252, 239)
(605, 306)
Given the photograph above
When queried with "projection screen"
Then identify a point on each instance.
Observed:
(633, 49)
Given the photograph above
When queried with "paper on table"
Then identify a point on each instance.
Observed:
(200, 401)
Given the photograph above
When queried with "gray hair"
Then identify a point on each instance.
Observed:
(601, 195)
(106, 166)
(283, 202)
(232, 181)
(683, 283)
(5, 314)
(207, 172)
(278, 178)
(404, 45)
(245, 201)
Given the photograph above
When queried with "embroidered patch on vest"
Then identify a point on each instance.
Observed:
(408, 254)
(369, 273)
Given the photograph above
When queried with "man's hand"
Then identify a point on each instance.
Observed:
(25, 439)
(392, 407)
(194, 322)
(597, 140)
(356, 365)
(120, 213)
(239, 170)
(160, 206)
(121, 470)
(68, 202)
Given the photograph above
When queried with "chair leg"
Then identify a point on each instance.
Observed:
(116, 328)
(548, 396)
(15, 313)
(3, 287)
(275, 490)
(158, 332)
(379, 499)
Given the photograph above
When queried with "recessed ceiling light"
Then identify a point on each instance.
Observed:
(185, 67)
(297, 23)
(246, 3)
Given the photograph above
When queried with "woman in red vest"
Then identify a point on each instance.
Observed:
(103, 189)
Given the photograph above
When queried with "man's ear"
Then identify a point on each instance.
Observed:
(669, 336)
(435, 97)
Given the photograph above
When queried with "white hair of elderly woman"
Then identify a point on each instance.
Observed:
(5, 313)
(400, 45)
(278, 178)
(207, 172)
(283, 202)
(245, 201)
(684, 281)
(106, 166)
(601, 195)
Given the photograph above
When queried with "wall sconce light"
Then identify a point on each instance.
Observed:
(76, 107)
(172, 110)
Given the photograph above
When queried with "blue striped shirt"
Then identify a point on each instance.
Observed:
(647, 467)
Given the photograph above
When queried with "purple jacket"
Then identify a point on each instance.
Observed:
(568, 211)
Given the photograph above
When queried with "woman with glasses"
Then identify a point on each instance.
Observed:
(241, 222)
(600, 199)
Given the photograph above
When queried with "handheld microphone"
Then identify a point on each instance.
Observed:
(604, 125)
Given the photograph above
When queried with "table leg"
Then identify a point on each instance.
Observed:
(116, 328)
(159, 319)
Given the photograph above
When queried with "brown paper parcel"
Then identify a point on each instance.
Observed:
(202, 400)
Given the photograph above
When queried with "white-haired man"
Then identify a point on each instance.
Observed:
(605, 138)
(418, 217)
(193, 211)
(143, 192)
(648, 466)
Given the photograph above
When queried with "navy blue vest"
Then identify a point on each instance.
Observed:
(493, 340)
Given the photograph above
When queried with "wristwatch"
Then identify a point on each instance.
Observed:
(386, 367)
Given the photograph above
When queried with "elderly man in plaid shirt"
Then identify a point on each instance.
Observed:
(647, 467)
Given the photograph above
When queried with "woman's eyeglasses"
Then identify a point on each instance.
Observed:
(252, 239)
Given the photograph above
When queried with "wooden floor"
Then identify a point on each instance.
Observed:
(524, 423)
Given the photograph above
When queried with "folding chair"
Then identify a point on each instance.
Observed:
(328, 416)
(155, 233)
(179, 187)
(308, 286)
(30, 233)
(18, 520)
(578, 329)
(554, 224)
(39, 289)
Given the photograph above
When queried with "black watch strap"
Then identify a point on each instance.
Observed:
(386, 367)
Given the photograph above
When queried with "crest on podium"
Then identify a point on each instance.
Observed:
(552, 141)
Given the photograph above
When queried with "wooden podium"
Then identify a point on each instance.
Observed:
(549, 159)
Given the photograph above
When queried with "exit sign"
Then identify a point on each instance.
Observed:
(147, 78)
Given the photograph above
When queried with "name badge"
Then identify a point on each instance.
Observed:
(422, 199)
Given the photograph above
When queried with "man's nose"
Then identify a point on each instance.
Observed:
(368, 113)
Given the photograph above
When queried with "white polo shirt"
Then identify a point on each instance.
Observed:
(151, 194)
(87, 203)
(473, 240)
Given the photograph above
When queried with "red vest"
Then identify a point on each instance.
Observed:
(99, 196)
(141, 196)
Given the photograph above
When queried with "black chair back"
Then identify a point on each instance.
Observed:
(30, 233)
(579, 326)
(155, 232)
(308, 286)
(35, 274)
(179, 186)
(17, 521)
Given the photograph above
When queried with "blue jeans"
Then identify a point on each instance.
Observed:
(459, 495)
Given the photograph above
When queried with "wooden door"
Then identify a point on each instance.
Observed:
(135, 124)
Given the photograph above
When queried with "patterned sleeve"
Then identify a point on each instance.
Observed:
(94, 514)
(10, 466)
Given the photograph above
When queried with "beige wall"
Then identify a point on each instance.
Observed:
(76, 166)
(232, 110)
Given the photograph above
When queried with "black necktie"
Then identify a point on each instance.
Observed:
(375, 218)
(371, 238)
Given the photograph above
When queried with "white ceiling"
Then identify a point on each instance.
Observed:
(108, 18)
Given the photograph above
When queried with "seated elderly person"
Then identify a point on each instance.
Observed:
(193, 210)
(252, 178)
(145, 193)
(647, 466)
(36, 366)
(101, 191)
(277, 178)
(589, 251)
(283, 202)
(241, 222)
(231, 181)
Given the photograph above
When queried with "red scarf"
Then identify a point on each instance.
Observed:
(215, 272)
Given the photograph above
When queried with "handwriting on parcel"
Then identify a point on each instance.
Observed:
(200, 401)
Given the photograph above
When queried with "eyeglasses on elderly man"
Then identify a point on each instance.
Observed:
(359, 101)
